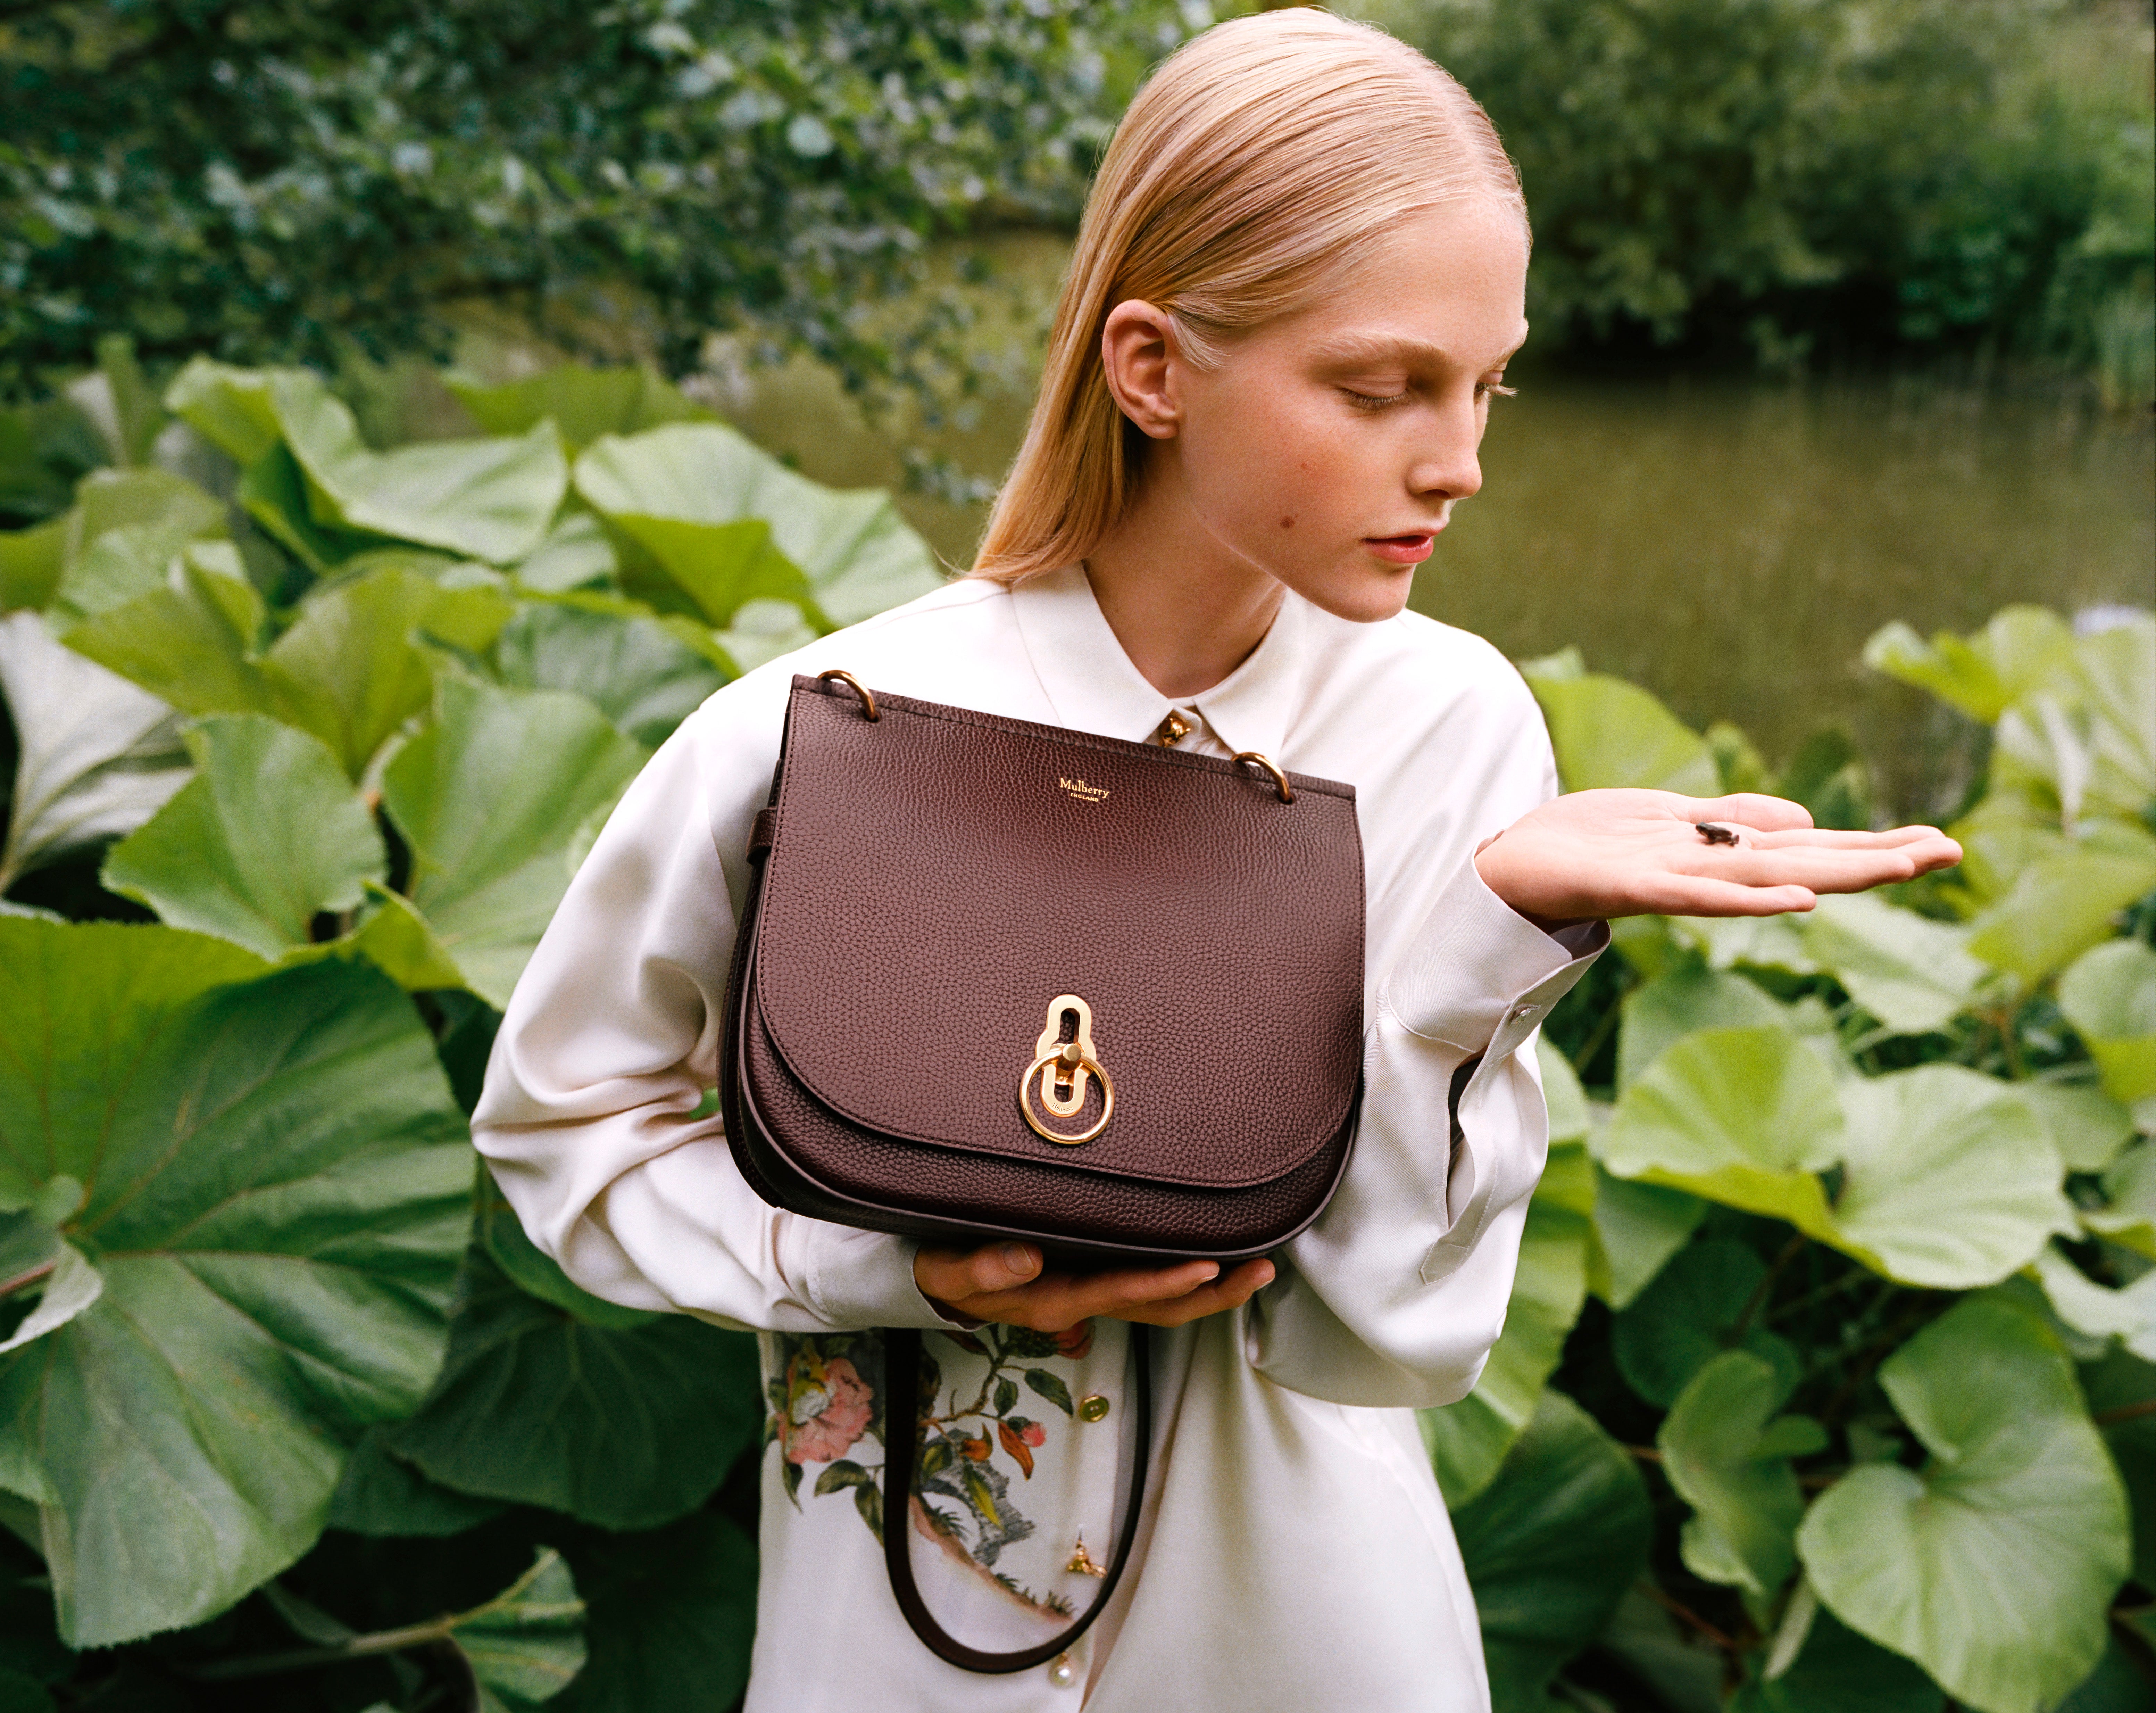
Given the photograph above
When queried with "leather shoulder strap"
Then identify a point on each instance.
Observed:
(902, 1451)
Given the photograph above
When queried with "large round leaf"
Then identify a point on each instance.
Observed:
(2109, 995)
(1949, 1179)
(627, 1428)
(1550, 1546)
(1684, 1000)
(489, 798)
(1907, 970)
(1993, 1567)
(1741, 1116)
(276, 1190)
(1608, 733)
(642, 677)
(1839, 1671)
(2060, 906)
(268, 834)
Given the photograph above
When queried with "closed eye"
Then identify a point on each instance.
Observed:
(1372, 401)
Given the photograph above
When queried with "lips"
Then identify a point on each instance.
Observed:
(1402, 549)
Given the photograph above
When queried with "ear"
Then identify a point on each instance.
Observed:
(1138, 352)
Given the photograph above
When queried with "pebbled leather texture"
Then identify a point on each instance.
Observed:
(935, 878)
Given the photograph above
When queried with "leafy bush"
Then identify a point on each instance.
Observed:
(1831, 1366)
(1849, 176)
(266, 180)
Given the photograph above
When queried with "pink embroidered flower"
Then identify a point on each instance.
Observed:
(1074, 1341)
(828, 1419)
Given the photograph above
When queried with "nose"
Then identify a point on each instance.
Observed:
(1445, 462)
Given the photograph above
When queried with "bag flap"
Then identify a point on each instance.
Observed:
(938, 877)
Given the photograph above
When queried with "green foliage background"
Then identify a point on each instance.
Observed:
(1832, 1358)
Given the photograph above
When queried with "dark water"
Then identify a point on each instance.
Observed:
(1730, 544)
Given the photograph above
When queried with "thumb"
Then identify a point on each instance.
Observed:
(999, 1266)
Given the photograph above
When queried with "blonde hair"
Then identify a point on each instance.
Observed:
(1260, 158)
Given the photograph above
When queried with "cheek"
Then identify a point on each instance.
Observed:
(1272, 475)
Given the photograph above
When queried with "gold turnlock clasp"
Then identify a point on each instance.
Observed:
(1062, 1067)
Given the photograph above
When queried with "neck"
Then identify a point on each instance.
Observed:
(1187, 611)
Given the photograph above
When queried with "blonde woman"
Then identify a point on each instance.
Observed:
(1298, 282)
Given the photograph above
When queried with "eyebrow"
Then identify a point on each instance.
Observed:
(1379, 348)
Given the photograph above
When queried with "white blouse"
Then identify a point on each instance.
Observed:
(1293, 1554)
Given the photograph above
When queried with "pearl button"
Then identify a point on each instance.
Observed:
(1092, 1408)
(1063, 1674)
(1521, 1013)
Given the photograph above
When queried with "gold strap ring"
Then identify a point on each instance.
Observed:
(1039, 1067)
(1280, 779)
(854, 684)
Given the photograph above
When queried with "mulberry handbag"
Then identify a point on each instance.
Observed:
(996, 979)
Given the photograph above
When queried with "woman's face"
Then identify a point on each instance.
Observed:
(1329, 447)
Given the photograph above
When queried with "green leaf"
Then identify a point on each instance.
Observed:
(351, 670)
(2022, 649)
(2109, 995)
(94, 756)
(623, 1428)
(127, 526)
(267, 836)
(2129, 1187)
(689, 493)
(2058, 908)
(1840, 1671)
(273, 491)
(489, 499)
(488, 799)
(1467, 1440)
(381, 1494)
(575, 554)
(1908, 971)
(763, 630)
(31, 561)
(526, 1644)
(2127, 1314)
(1637, 1228)
(1745, 1117)
(1992, 1567)
(1950, 1180)
(69, 1288)
(1049, 1385)
(583, 402)
(1608, 733)
(1550, 1546)
(396, 939)
(1569, 1120)
(136, 414)
(277, 1187)
(2087, 1127)
(1683, 1001)
(2119, 1387)
(1719, 1456)
(640, 675)
(230, 407)
(1686, 1318)
(671, 1617)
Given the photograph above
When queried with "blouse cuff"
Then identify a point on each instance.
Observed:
(1478, 970)
(859, 1280)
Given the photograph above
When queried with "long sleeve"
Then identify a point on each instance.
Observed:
(611, 1037)
(1396, 1295)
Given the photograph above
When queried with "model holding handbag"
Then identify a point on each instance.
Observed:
(1148, 931)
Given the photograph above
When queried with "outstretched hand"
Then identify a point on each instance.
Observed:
(1634, 853)
(1005, 1281)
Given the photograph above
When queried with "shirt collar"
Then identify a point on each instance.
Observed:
(1092, 686)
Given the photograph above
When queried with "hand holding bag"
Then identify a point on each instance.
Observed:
(996, 979)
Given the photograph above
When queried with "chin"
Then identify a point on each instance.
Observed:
(1360, 598)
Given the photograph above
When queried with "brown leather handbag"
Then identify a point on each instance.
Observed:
(1000, 979)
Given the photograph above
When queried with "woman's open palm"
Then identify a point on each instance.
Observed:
(1632, 853)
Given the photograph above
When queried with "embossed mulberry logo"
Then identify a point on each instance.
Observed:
(1082, 792)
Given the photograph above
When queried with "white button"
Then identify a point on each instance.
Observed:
(1062, 1673)
(1521, 1013)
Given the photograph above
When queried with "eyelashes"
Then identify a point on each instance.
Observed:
(1374, 402)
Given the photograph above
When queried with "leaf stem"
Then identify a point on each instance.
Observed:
(1764, 1288)
(395, 1641)
(1677, 1608)
(2125, 1412)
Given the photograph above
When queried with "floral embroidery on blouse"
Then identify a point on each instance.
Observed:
(826, 1393)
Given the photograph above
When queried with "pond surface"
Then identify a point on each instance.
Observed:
(1729, 543)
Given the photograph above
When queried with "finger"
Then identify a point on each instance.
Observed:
(1061, 1299)
(950, 1275)
(1750, 809)
(1237, 1289)
(1831, 839)
(1699, 895)
(1821, 870)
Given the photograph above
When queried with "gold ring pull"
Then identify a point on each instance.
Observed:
(1280, 779)
(860, 689)
(1067, 1058)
